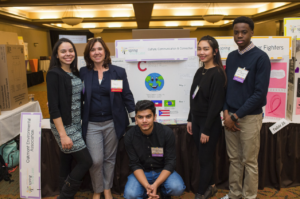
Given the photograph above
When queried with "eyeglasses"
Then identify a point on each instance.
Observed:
(95, 38)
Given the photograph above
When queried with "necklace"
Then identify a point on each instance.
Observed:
(204, 71)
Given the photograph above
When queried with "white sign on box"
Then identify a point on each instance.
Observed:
(278, 125)
(30, 155)
(156, 49)
(275, 47)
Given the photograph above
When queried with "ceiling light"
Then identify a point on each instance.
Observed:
(69, 17)
(96, 30)
(215, 16)
(49, 17)
(86, 15)
(121, 15)
(183, 14)
(89, 26)
(197, 24)
(114, 25)
(171, 24)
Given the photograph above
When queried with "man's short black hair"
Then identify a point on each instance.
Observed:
(244, 19)
(144, 105)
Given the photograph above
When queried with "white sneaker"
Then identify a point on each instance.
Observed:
(225, 197)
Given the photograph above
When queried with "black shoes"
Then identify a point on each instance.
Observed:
(69, 189)
(210, 192)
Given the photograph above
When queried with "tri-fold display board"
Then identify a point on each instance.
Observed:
(162, 70)
(292, 28)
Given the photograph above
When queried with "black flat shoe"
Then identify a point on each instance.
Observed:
(210, 192)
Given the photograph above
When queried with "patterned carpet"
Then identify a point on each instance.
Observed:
(11, 191)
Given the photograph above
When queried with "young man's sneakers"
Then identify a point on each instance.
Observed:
(227, 197)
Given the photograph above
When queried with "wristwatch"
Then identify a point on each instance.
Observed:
(233, 118)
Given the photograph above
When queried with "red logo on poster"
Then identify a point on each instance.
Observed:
(139, 67)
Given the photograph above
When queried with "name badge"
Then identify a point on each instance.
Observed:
(157, 151)
(195, 92)
(240, 75)
(116, 85)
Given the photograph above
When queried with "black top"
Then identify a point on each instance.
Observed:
(138, 147)
(59, 91)
(249, 97)
(100, 109)
(210, 97)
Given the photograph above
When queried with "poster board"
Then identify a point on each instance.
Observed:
(156, 49)
(171, 94)
(292, 28)
(274, 46)
(279, 50)
(30, 155)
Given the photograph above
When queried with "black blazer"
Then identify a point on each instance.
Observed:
(59, 89)
(119, 100)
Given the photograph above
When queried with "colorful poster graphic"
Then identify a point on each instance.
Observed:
(169, 103)
(157, 103)
(276, 104)
(298, 106)
(164, 112)
(278, 75)
(154, 82)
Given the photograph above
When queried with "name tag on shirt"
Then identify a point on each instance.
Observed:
(116, 85)
(157, 151)
(195, 92)
(240, 75)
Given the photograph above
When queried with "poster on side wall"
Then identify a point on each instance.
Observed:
(292, 27)
(30, 155)
(166, 83)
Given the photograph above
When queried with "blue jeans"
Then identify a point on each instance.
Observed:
(173, 186)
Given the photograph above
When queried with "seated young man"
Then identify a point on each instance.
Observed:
(151, 150)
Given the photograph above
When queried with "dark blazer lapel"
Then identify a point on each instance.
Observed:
(88, 83)
(113, 75)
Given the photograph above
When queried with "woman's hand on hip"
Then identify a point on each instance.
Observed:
(66, 142)
(189, 128)
(204, 138)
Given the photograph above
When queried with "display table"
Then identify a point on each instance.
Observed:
(278, 161)
(44, 65)
(34, 78)
(10, 120)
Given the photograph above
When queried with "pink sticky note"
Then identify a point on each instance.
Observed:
(298, 106)
(276, 104)
(278, 75)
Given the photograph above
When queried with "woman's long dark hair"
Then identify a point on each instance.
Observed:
(54, 62)
(217, 58)
(88, 48)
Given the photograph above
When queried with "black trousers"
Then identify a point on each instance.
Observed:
(83, 163)
(206, 152)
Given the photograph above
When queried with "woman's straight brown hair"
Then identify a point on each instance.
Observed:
(89, 62)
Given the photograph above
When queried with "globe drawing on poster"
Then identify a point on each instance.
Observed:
(154, 82)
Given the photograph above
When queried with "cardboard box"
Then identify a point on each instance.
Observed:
(13, 80)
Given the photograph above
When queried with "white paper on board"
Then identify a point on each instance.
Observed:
(278, 125)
